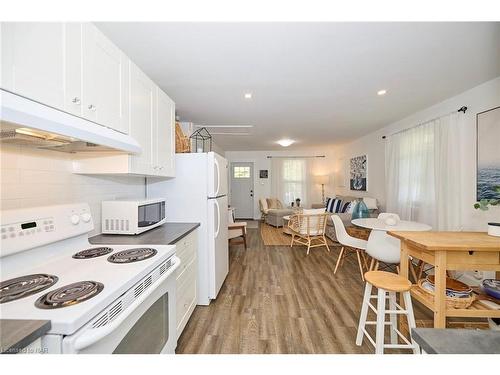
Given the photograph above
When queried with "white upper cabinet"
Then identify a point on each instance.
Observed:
(142, 120)
(74, 68)
(73, 71)
(164, 135)
(104, 80)
(33, 61)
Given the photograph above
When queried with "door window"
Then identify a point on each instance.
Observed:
(241, 172)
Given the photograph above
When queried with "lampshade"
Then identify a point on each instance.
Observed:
(322, 179)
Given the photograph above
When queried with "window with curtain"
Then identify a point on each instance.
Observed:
(423, 173)
(294, 179)
(290, 179)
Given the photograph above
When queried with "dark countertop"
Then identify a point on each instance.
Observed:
(17, 334)
(166, 234)
(457, 341)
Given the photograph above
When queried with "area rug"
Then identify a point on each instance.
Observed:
(272, 236)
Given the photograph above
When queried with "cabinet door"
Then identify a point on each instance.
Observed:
(164, 137)
(104, 70)
(33, 61)
(73, 71)
(142, 119)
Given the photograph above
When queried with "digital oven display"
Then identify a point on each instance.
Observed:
(28, 225)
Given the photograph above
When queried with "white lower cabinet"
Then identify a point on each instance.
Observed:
(187, 275)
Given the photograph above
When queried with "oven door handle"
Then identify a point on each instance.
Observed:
(91, 336)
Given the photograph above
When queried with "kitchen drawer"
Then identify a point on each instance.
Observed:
(186, 295)
(186, 249)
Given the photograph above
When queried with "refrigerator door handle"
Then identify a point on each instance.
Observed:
(217, 167)
(217, 207)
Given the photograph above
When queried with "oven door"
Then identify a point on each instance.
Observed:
(146, 326)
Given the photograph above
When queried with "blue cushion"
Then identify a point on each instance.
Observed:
(333, 205)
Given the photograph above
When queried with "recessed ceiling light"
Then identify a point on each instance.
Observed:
(285, 142)
(248, 95)
(381, 92)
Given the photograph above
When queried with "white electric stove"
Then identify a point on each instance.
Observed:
(99, 299)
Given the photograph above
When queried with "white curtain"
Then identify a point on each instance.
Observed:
(423, 176)
(290, 180)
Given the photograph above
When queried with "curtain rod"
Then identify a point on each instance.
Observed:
(295, 157)
(462, 109)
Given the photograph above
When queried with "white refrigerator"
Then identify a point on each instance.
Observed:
(198, 193)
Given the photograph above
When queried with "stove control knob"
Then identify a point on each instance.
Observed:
(85, 217)
(75, 219)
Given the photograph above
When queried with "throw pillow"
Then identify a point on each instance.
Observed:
(273, 203)
(333, 205)
(346, 206)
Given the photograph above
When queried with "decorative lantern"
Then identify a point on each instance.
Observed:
(201, 140)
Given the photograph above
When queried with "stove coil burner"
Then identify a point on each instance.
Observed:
(92, 253)
(24, 286)
(132, 255)
(69, 295)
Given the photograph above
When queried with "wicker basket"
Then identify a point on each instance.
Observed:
(182, 143)
(451, 302)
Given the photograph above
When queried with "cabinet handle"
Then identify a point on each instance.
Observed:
(76, 100)
(92, 107)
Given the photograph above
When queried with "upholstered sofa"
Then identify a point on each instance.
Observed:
(272, 211)
(345, 217)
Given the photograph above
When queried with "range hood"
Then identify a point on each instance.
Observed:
(29, 123)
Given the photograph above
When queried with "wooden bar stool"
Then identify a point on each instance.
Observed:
(388, 284)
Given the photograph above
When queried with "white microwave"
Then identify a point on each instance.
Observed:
(132, 216)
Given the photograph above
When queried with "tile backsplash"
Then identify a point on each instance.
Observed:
(33, 177)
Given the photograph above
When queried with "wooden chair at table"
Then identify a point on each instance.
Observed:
(308, 228)
(236, 230)
(349, 243)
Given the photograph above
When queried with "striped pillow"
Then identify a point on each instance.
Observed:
(347, 207)
(333, 205)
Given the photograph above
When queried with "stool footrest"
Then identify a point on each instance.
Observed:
(399, 346)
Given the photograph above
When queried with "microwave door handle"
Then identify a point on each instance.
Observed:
(218, 177)
(91, 336)
(217, 207)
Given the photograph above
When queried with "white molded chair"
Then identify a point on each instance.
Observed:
(349, 243)
(416, 270)
(383, 248)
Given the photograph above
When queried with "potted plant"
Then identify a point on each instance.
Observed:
(483, 205)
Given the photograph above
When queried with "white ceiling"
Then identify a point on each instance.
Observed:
(312, 82)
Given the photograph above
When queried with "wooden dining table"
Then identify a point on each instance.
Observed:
(458, 251)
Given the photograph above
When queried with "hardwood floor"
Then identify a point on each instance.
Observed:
(277, 299)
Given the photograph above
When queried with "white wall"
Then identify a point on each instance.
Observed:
(262, 187)
(477, 99)
(32, 177)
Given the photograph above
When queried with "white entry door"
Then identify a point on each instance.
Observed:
(242, 189)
